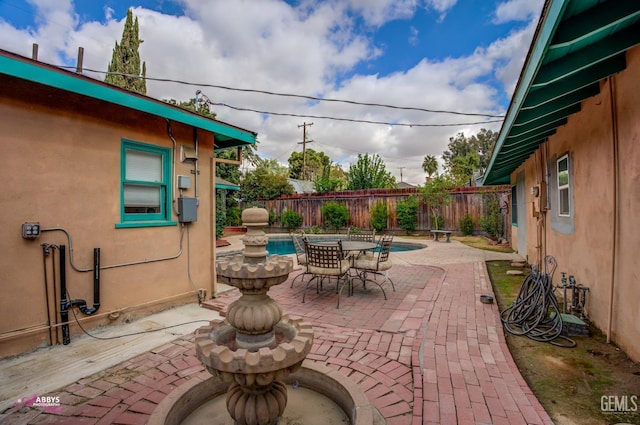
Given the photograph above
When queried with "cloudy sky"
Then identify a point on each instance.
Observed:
(460, 56)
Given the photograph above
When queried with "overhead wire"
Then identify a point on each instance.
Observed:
(299, 96)
(499, 118)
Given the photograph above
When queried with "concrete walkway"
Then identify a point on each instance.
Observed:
(431, 353)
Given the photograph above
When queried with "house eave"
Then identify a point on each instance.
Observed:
(226, 135)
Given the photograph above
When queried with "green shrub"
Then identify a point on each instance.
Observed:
(273, 218)
(355, 230)
(379, 216)
(407, 212)
(491, 223)
(467, 225)
(221, 217)
(234, 216)
(291, 220)
(335, 215)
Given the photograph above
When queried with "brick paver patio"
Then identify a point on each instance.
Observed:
(429, 354)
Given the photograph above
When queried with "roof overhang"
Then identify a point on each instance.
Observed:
(225, 184)
(226, 136)
(577, 44)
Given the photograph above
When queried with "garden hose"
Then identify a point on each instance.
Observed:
(535, 312)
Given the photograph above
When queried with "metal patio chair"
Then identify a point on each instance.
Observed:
(363, 235)
(377, 263)
(301, 255)
(327, 260)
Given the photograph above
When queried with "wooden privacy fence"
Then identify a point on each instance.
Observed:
(360, 202)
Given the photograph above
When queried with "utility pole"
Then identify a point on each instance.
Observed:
(304, 147)
(401, 168)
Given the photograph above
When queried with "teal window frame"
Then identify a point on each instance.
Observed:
(563, 180)
(514, 205)
(162, 218)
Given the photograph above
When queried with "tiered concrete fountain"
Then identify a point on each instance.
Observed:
(256, 351)
(257, 347)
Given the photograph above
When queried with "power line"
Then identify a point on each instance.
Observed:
(299, 96)
(325, 117)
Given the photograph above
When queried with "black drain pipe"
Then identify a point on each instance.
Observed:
(82, 304)
(66, 304)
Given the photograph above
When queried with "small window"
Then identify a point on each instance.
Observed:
(563, 186)
(146, 185)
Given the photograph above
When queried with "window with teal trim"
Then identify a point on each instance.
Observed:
(146, 185)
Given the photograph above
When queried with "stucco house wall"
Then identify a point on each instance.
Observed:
(589, 247)
(61, 167)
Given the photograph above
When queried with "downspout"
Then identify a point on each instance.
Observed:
(45, 254)
(195, 164)
(616, 176)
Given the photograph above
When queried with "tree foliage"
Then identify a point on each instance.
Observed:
(124, 69)
(430, 165)
(328, 181)
(466, 155)
(407, 213)
(267, 181)
(335, 215)
(201, 108)
(315, 164)
(369, 172)
(436, 194)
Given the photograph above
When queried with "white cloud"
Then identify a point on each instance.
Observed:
(300, 50)
(517, 10)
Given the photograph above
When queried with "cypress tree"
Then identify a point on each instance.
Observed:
(126, 60)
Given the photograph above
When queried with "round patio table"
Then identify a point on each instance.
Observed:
(358, 246)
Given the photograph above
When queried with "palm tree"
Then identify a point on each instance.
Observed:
(430, 165)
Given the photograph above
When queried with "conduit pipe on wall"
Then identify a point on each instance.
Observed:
(616, 177)
(173, 167)
(195, 164)
(111, 266)
(45, 253)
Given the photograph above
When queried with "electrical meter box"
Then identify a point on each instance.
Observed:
(187, 210)
(184, 182)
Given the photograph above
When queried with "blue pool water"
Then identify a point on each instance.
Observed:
(285, 246)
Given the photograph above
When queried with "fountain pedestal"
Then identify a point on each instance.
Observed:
(256, 347)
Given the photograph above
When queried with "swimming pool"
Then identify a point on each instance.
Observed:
(284, 246)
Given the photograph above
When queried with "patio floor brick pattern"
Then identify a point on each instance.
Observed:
(429, 354)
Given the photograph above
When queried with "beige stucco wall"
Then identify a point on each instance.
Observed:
(61, 167)
(588, 252)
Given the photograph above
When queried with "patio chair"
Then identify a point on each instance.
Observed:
(301, 256)
(364, 235)
(377, 263)
(324, 261)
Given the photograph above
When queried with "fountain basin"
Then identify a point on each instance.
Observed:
(203, 388)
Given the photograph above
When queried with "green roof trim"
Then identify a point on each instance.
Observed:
(577, 44)
(225, 184)
(37, 72)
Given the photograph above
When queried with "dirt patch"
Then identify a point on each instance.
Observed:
(590, 384)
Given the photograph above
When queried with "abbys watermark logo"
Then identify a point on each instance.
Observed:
(48, 404)
(619, 403)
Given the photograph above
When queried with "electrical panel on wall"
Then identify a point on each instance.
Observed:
(187, 210)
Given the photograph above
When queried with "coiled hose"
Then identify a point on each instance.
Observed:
(535, 312)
